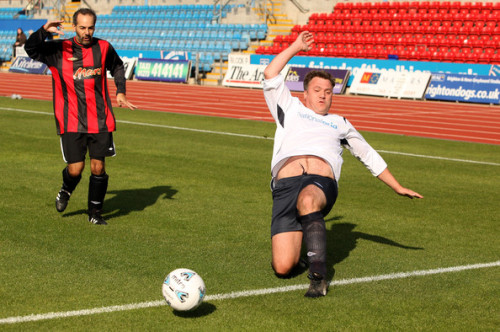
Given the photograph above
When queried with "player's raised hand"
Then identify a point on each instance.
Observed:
(304, 41)
(54, 27)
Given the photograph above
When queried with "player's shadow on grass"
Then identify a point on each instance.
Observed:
(342, 239)
(121, 202)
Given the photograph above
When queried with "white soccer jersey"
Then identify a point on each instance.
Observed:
(300, 132)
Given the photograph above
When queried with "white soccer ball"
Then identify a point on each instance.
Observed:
(183, 289)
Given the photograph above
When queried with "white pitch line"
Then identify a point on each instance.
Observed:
(235, 295)
(194, 130)
(265, 138)
(439, 158)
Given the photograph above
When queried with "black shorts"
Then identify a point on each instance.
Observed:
(74, 146)
(285, 194)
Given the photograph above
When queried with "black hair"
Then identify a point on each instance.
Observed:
(84, 11)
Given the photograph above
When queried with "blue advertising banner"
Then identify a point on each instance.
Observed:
(466, 88)
(355, 65)
(24, 64)
(495, 70)
(175, 55)
(167, 55)
(163, 70)
(139, 54)
(295, 79)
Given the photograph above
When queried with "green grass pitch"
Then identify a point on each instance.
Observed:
(200, 199)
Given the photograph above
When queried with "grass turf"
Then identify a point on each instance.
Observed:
(200, 200)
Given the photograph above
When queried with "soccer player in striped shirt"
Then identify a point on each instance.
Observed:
(306, 164)
(82, 106)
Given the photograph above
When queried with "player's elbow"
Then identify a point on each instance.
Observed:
(269, 73)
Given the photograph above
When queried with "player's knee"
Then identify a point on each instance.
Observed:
(310, 200)
(281, 270)
(97, 168)
(75, 170)
(307, 204)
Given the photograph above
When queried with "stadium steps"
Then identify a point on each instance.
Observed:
(69, 9)
(274, 30)
(283, 26)
(276, 7)
(5, 66)
(252, 47)
(214, 78)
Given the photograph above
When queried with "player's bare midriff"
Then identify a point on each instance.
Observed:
(299, 165)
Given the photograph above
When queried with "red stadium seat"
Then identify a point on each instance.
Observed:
(488, 5)
(495, 59)
(414, 4)
(425, 55)
(348, 6)
(475, 6)
(490, 46)
(394, 5)
(496, 7)
(465, 6)
(435, 5)
(420, 48)
(438, 40)
(313, 17)
(484, 58)
(443, 49)
(436, 56)
(425, 5)
(445, 56)
(413, 55)
(445, 5)
(455, 4)
(267, 50)
(470, 57)
(477, 50)
(475, 30)
(329, 37)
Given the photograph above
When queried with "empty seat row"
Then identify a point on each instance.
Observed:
(332, 17)
(384, 52)
(402, 28)
(417, 5)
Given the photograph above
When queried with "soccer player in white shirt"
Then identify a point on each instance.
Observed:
(306, 164)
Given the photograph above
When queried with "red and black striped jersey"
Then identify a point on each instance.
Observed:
(80, 90)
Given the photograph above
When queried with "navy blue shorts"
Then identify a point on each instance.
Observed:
(285, 194)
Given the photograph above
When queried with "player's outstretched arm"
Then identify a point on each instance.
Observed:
(122, 101)
(302, 43)
(54, 27)
(387, 177)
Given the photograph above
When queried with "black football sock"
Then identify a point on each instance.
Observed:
(98, 186)
(69, 182)
(314, 230)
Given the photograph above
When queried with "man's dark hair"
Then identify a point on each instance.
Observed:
(84, 11)
(318, 73)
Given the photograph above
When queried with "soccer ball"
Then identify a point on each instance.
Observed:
(183, 289)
